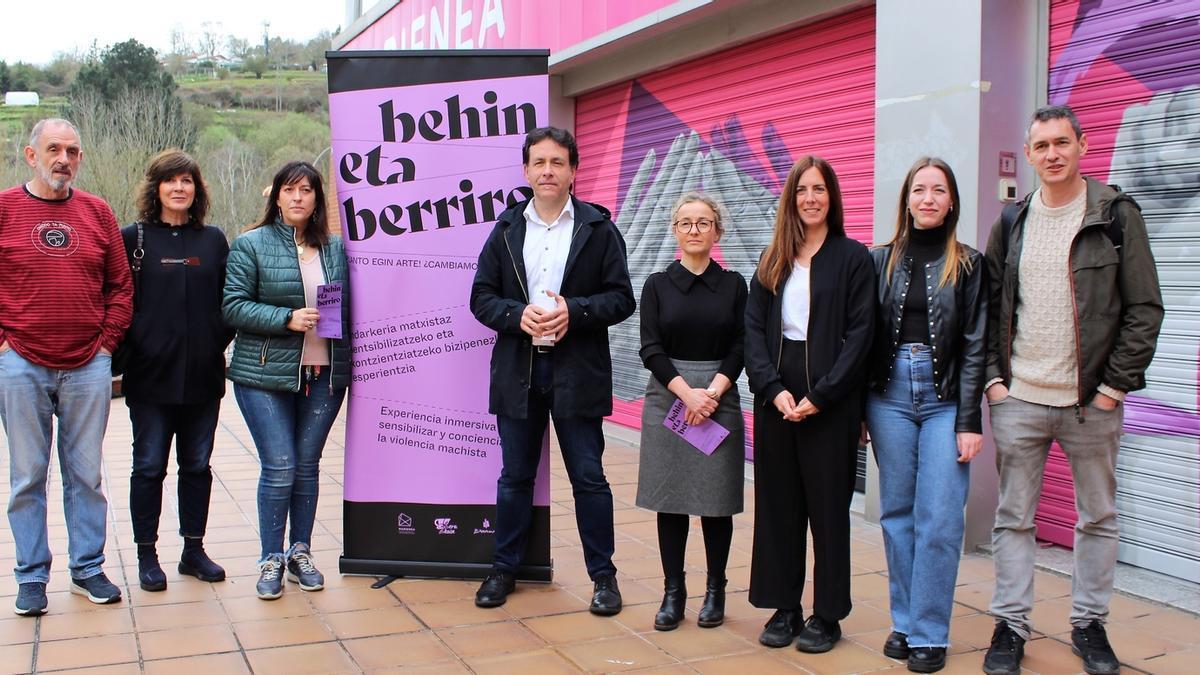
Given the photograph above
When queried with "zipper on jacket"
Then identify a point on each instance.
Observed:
(807, 329)
(779, 355)
(300, 367)
(517, 272)
(300, 361)
(262, 358)
(1075, 325)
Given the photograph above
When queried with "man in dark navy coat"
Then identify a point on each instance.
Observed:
(552, 278)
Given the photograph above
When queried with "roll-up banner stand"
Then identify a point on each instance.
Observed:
(427, 154)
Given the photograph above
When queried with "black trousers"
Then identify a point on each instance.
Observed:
(803, 479)
(192, 427)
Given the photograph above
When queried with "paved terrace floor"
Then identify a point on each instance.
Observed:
(433, 626)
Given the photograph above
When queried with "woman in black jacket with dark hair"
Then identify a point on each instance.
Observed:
(809, 324)
(923, 411)
(175, 375)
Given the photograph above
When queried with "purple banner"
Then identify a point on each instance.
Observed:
(422, 173)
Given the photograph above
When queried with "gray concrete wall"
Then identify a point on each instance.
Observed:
(955, 79)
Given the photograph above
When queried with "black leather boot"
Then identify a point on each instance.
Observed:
(712, 613)
(674, 597)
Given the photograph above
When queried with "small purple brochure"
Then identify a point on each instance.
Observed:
(706, 436)
(329, 304)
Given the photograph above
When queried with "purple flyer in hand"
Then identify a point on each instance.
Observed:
(706, 436)
(329, 304)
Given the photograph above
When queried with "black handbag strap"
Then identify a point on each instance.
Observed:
(135, 265)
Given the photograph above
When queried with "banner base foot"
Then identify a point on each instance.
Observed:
(422, 569)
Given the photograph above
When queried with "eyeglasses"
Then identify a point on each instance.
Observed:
(685, 226)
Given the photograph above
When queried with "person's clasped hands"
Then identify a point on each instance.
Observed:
(541, 322)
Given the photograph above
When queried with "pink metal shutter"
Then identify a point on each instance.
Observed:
(731, 123)
(1131, 71)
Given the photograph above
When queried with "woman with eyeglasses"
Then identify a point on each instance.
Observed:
(692, 329)
(809, 323)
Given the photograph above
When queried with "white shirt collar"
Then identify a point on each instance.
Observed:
(566, 215)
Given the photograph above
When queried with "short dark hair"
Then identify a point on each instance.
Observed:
(163, 167)
(316, 234)
(1054, 112)
(560, 136)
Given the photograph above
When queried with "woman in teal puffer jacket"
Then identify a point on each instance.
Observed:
(289, 378)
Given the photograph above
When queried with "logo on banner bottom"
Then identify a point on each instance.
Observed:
(404, 524)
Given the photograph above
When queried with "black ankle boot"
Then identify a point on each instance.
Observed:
(195, 562)
(712, 613)
(150, 575)
(674, 597)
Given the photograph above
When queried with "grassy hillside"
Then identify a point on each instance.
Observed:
(245, 128)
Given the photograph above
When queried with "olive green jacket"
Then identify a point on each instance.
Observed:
(1115, 293)
(262, 287)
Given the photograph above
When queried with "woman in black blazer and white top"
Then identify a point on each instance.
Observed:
(809, 321)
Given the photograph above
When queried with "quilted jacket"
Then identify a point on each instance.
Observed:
(262, 287)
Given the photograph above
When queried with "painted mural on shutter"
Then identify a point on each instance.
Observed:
(732, 124)
(1131, 71)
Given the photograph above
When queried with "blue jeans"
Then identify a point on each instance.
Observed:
(154, 426)
(582, 443)
(30, 397)
(289, 430)
(922, 492)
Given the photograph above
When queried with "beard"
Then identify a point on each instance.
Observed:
(58, 183)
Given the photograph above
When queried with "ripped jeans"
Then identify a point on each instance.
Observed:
(289, 430)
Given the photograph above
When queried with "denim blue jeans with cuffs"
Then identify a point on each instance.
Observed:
(922, 493)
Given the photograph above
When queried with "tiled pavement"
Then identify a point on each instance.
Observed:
(432, 626)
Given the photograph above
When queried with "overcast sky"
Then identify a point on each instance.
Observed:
(34, 30)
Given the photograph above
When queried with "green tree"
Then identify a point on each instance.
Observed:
(126, 108)
(62, 70)
(128, 65)
(23, 77)
(4, 83)
(256, 64)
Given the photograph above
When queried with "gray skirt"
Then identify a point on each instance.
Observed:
(674, 476)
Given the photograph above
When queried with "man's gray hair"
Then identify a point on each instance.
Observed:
(41, 126)
(1054, 112)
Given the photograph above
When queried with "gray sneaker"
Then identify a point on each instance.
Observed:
(301, 570)
(270, 577)
(97, 588)
(31, 599)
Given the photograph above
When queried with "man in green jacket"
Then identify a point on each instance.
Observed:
(1073, 322)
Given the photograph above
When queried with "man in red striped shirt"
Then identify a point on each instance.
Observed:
(66, 298)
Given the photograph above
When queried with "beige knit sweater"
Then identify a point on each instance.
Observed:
(1044, 360)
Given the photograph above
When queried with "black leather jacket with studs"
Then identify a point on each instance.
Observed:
(957, 329)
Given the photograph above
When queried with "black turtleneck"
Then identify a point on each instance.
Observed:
(924, 247)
